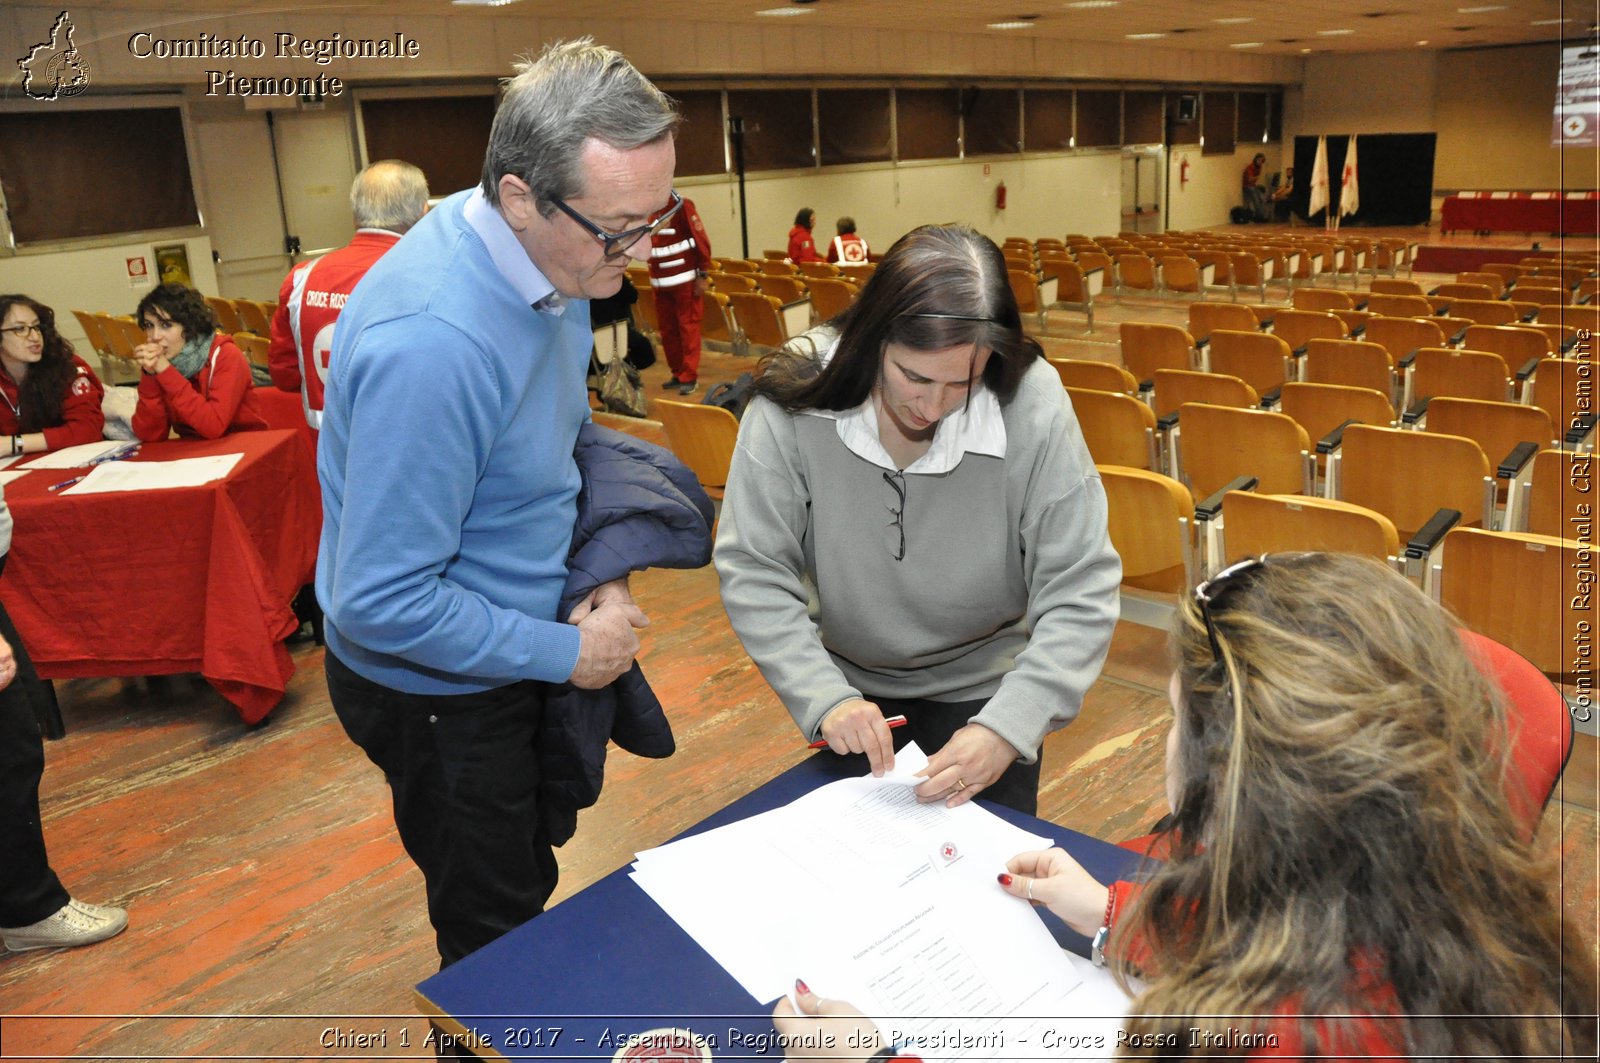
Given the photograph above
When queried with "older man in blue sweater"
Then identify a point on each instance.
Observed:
(454, 397)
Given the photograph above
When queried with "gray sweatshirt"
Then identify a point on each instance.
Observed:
(1007, 591)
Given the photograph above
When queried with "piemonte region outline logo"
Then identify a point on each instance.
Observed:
(55, 69)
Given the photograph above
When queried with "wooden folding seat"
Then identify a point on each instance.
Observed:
(94, 331)
(1492, 281)
(859, 273)
(1582, 318)
(253, 347)
(1454, 328)
(1542, 504)
(254, 317)
(832, 296)
(1180, 274)
(644, 310)
(1402, 335)
(1321, 299)
(778, 267)
(1317, 257)
(817, 269)
(1497, 427)
(786, 289)
(1049, 243)
(1586, 291)
(717, 322)
(1095, 376)
(1568, 275)
(1174, 387)
(1542, 297)
(1484, 311)
(1408, 476)
(1073, 290)
(1017, 260)
(1391, 253)
(1393, 286)
(227, 317)
(702, 437)
(772, 254)
(738, 265)
(1025, 286)
(1504, 585)
(1457, 372)
(1256, 524)
(1118, 429)
(1136, 272)
(1089, 261)
(760, 318)
(1320, 408)
(1506, 271)
(1150, 519)
(123, 333)
(1206, 318)
(1299, 327)
(1457, 290)
(1517, 344)
(1221, 279)
(1017, 242)
(1555, 388)
(1220, 443)
(1350, 363)
(1149, 347)
(1561, 339)
(1399, 305)
(731, 282)
(1261, 359)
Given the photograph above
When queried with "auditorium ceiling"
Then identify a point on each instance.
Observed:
(1278, 27)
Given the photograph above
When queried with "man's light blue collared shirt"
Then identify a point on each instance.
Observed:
(510, 257)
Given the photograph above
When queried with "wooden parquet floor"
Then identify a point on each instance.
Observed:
(268, 894)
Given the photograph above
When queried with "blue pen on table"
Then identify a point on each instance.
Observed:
(128, 451)
(64, 484)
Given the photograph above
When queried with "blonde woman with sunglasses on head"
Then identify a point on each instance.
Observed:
(1349, 871)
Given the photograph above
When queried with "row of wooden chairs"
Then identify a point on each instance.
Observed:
(242, 315)
(782, 267)
(1480, 575)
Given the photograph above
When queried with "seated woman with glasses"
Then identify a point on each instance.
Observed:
(913, 526)
(52, 397)
(1347, 875)
(193, 378)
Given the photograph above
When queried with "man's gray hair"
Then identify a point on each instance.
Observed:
(389, 195)
(574, 90)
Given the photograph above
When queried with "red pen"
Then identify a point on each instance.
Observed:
(892, 721)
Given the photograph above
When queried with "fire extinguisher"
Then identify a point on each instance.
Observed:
(1183, 171)
(1000, 196)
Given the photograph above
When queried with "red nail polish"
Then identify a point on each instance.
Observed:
(1004, 879)
(800, 987)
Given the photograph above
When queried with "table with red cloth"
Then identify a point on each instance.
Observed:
(1520, 212)
(182, 579)
(284, 409)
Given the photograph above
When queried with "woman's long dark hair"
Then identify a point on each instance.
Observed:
(939, 286)
(40, 395)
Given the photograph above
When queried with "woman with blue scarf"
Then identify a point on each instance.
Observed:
(194, 379)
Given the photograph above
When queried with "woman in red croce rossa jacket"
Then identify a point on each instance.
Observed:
(1349, 870)
(194, 379)
(51, 396)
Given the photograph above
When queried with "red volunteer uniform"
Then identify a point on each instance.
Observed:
(82, 419)
(801, 249)
(849, 249)
(679, 253)
(308, 304)
(217, 401)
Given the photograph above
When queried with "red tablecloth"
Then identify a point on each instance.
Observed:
(1520, 214)
(282, 409)
(190, 579)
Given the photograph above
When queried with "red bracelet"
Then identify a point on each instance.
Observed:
(1111, 904)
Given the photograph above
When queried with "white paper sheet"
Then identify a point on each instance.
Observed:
(11, 474)
(893, 905)
(154, 475)
(80, 455)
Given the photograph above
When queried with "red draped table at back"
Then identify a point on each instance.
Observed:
(182, 579)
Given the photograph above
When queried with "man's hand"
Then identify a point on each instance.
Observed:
(607, 644)
(615, 591)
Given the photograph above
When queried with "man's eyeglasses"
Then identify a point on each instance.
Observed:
(896, 538)
(1214, 588)
(615, 243)
(22, 332)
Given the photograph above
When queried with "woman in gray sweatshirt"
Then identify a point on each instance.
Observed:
(913, 525)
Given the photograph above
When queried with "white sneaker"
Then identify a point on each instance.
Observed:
(75, 923)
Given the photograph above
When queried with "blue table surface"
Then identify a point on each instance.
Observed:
(608, 962)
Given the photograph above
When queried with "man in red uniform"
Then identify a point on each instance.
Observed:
(387, 198)
(680, 254)
(847, 248)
